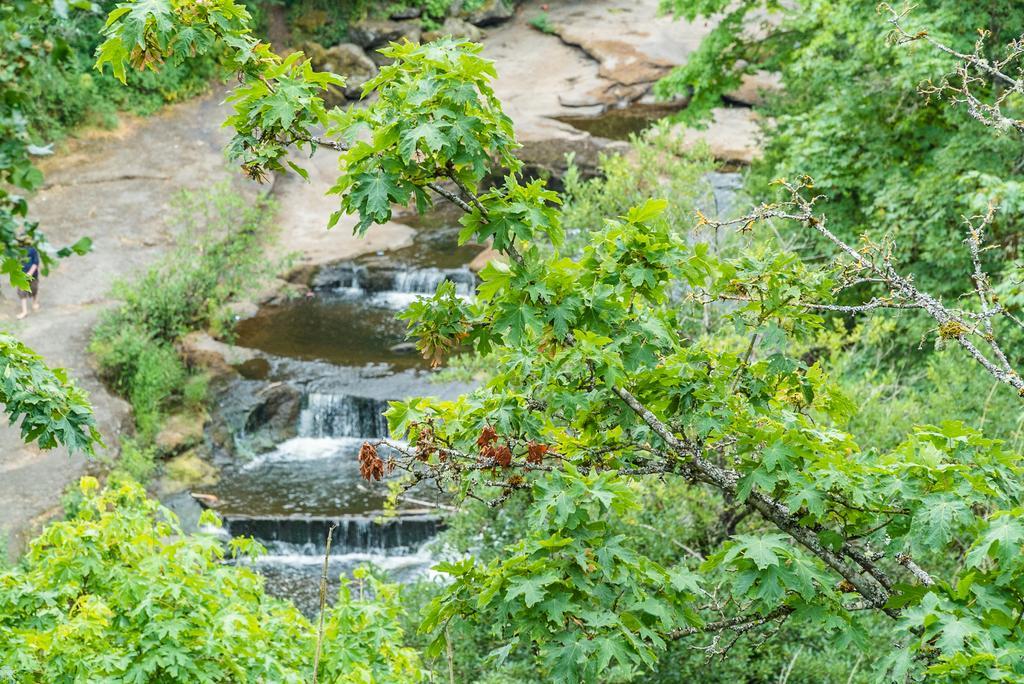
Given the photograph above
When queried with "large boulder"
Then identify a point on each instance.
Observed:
(349, 60)
(185, 472)
(275, 416)
(251, 416)
(488, 13)
(460, 29)
(180, 432)
(374, 33)
(733, 135)
(345, 59)
(545, 156)
(754, 87)
(202, 352)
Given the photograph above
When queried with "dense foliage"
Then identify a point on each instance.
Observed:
(659, 165)
(892, 163)
(118, 593)
(219, 257)
(52, 410)
(48, 88)
(603, 391)
(328, 23)
(616, 388)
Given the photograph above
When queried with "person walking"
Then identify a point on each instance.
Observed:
(30, 265)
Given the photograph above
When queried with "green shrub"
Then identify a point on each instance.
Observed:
(118, 593)
(894, 394)
(137, 461)
(218, 258)
(145, 370)
(159, 373)
(195, 391)
(542, 22)
(67, 93)
(658, 166)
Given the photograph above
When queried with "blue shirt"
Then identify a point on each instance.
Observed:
(31, 259)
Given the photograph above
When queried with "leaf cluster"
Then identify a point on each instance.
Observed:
(435, 116)
(120, 593)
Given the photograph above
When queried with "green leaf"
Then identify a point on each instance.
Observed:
(650, 209)
(299, 170)
(494, 277)
(954, 632)
(532, 589)
(761, 549)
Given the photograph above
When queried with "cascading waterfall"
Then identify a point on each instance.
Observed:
(342, 415)
(345, 277)
(306, 536)
(426, 280)
(358, 280)
(288, 497)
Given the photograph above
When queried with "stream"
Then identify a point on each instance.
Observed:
(322, 371)
(326, 365)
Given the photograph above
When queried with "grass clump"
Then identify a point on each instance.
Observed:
(542, 22)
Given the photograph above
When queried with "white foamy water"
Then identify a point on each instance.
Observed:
(307, 449)
(420, 559)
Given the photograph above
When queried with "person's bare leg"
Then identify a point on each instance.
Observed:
(35, 302)
(24, 308)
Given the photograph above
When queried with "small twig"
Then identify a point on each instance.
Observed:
(473, 198)
(740, 625)
(874, 261)
(788, 670)
(450, 654)
(853, 670)
(323, 603)
(915, 569)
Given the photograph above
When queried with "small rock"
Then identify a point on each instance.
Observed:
(200, 351)
(180, 432)
(241, 310)
(272, 290)
(347, 60)
(406, 13)
(754, 87)
(547, 155)
(732, 136)
(206, 500)
(589, 103)
(379, 59)
(490, 13)
(459, 29)
(372, 33)
(187, 471)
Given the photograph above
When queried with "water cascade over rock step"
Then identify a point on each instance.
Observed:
(307, 535)
(334, 415)
(357, 279)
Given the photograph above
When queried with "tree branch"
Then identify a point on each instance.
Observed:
(739, 625)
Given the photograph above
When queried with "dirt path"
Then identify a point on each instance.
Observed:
(116, 187)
